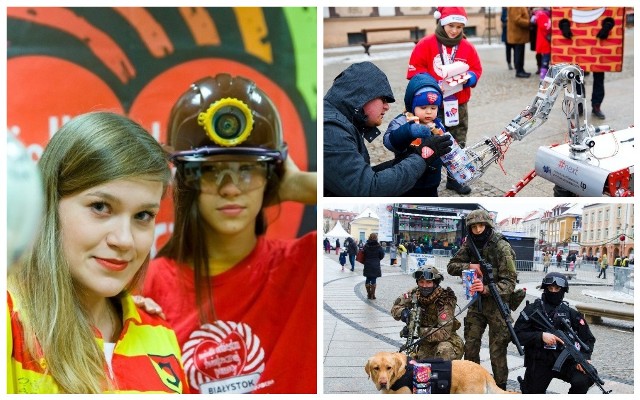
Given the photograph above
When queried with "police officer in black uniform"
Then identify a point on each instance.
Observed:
(541, 349)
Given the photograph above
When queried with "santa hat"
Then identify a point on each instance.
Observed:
(447, 15)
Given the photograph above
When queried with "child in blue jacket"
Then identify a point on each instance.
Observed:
(422, 99)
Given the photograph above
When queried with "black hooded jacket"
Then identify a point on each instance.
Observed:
(348, 171)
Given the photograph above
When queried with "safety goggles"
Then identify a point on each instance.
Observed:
(428, 275)
(210, 176)
(555, 280)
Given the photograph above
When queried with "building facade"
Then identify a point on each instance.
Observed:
(607, 229)
(364, 224)
(332, 217)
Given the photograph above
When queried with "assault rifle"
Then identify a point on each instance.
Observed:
(493, 289)
(568, 348)
(409, 345)
(413, 324)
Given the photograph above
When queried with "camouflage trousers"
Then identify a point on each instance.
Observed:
(459, 132)
(475, 324)
(453, 349)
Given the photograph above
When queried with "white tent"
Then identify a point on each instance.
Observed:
(337, 232)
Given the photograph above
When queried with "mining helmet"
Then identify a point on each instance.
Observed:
(428, 273)
(225, 116)
(555, 278)
(477, 217)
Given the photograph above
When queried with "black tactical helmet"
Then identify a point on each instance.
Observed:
(555, 278)
(225, 116)
(428, 273)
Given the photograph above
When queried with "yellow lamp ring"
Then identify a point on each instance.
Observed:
(228, 122)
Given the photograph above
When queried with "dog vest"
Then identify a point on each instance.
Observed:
(430, 376)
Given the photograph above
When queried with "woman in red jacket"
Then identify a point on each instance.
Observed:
(434, 54)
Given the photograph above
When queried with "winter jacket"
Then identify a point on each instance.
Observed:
(543, 31)
(398, 137)
(352, 247)
(530, 334)
(349, 171)
(426, 58)
(373, 253)
(497, 252)
(518, 25)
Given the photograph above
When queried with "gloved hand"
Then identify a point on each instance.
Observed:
(419, 131)
(404, 315)
(565, 27)
(471, 81)
(607, 24)
(435, 145)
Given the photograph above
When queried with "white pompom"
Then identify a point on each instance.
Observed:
(437, 14)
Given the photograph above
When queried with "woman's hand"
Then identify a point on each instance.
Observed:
(296, 185)
(149, 306)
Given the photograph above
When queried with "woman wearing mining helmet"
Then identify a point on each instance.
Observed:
(241, 304)
(542, 349)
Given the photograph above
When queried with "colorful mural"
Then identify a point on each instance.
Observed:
(137, 61)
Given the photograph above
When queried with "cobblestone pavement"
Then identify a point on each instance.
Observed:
(497, 98)
(613, 353)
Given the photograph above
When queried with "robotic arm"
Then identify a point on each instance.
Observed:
(560, 78)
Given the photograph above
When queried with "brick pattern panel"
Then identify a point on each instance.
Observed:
(584, 48)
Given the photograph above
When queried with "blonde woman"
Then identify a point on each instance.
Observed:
(73, 325)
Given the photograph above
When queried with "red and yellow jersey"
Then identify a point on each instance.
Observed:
(146, 358)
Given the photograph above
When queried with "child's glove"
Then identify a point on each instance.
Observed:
(435, 145)
(607, 24)
(471, 80)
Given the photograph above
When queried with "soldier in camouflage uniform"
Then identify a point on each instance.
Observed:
(497, 251)
(437, 306)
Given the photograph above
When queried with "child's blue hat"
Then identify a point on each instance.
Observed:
(422, 90)
(426, 97)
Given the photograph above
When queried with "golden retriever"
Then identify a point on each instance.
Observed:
(385, 368)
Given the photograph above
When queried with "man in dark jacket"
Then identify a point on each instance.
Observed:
(354, 107)
(542, 349)
(352, 250)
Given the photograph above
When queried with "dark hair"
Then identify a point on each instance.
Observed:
(186, 244)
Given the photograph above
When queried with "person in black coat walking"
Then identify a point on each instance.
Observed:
(373, 253)
(352, 250)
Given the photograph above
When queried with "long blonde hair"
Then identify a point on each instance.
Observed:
(87, 151)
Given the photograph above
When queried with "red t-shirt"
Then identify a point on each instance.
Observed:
(425, 57)
(264, 340)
